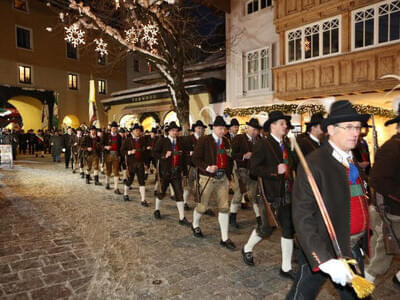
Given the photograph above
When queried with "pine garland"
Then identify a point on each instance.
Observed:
(307, 108)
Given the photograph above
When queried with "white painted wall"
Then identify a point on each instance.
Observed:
(245, 33)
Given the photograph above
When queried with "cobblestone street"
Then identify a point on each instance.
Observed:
(61, 238)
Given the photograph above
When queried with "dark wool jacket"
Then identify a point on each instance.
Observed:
(79, 141)
(106, 141)
(331, 178)
(161, 148)
(307, 145)
(189, 143)
(240, 146)
(385, 174)
(266, 157)
(88, 141)
(205, 154)
(129, 144)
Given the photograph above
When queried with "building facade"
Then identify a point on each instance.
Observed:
(338, 48)
(38, 67)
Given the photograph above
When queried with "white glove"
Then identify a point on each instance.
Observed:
(63, 149)
(337, 270)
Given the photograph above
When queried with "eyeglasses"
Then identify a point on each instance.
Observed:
(349, 128)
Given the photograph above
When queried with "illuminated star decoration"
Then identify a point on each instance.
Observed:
(101, 47)
(131, 36)
(149, 34)
(74, 35)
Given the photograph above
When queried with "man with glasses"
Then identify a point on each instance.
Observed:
(343, 193)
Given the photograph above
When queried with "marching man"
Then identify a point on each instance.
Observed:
(272, 162)
(211, 156)
(77, 152)
(93, 148)
(190, 142)
(343, 194)
(242, 147)
(132, 148)
(112, 146)
(169, 151)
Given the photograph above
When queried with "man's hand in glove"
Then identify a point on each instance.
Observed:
(338, 271)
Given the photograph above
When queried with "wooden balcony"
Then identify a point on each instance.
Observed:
(350, 73)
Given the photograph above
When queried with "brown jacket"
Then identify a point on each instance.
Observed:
(307, 145)
(129, 144)
(94, 143)
(189, 143)
(385, 174)
(160, 149)
(205, 154)
(107, 142)
(240, 146)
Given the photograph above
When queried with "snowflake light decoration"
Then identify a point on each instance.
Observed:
(74, 35)
(131, 36)
(150, 34)
(101, 47)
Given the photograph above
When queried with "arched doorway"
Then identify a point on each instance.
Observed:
(127, 121)
(148, 123)
(70, 121)
(30, 110)
(171, 116)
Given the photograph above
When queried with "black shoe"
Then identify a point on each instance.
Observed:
(228, 244)
(82, 175)
(107, 186)
(248, 257)
(87, 179)
(117, 192)
(395, 281)
(187, 207)
(96, 180)
(232, 220)
(66, 167)
(144, 203)
(184, 222)
(231, 192)
(289, 274)
(126, 198)
(244, 205)
(73, 171)
(157, 214)
(210, 212)
(197, 232)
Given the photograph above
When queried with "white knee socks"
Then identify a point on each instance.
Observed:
(142, 191)
(196, 218)
(256, 209)
(223, 220)
(185, 195)
(234, 208)
(126, 189)
(171, 190)
(158, 203)
(181, 210)
(254, 239)
(287, 251)
(115, 182)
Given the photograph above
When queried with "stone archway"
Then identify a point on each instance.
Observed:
(170, 116)
(30, 110)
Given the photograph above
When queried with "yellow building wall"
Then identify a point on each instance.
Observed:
(30, 110)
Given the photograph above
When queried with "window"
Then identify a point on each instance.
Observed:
(253, 6)
(72, 52)
(21, 5)
(376, 24)
(258, 70)
(25, 74)
(313, 40)
(23, 38)
(101, 59)
(150, 67)
(101, 85)
(136, 67)
(73, 81)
